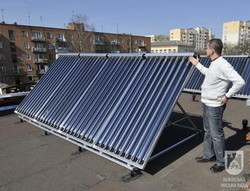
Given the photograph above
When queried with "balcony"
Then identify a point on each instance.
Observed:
(115, 43)
(60, 40)
(142, 45)
(99, 42)
(61, 50)
(40, 61)
(40, 72)
(39, 50)
(37, 39)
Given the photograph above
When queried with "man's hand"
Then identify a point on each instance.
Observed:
(223, 100)
(193, 60)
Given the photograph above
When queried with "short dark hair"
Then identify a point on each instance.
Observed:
(216, 44)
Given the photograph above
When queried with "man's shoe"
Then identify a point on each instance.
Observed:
(204, 160)
(217, 168)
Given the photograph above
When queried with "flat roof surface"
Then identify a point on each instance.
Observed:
(29, 160)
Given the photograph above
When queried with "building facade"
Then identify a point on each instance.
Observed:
(26, 52)
(236, 35)
(197, 37)
(171, 47)
(156, 38)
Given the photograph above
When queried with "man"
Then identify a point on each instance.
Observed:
(214, 96)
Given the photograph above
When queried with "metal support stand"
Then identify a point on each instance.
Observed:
(80, 149)
(135, 173)
(193, 96)
(188, 117)
(198, 132)
(244, 124)
(46, 133)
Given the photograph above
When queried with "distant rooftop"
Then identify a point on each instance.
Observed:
(45, 27)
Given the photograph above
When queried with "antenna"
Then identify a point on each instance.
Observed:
(41, 18)
(29, 17)
(117, 28)
(2, 14)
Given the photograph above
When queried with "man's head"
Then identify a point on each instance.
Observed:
(214, 48)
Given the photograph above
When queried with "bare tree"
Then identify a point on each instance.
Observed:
(245, 48)
(231, 49)
(80, 39)
(80, 18)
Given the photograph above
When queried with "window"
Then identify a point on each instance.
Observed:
(174, 50)
(38, 45)
(2, 68)
(48, 35)
(26, 45)
(37, 34)
(60, 36)
(40, 67)
(1, 44)
(152, 51)
(27, 57)
(4, 79)
(28, 67)
(16, 69)
(51, 56)
(14, 58)
(1, 57)
(39, 56)
(30, 78)
(50, 46)
(25, 34)
(12, 47)
(11, 35)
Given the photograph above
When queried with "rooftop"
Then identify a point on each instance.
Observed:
(29, 160)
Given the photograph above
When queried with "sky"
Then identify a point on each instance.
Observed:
(138, 17)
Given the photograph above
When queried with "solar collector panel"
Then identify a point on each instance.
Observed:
(240, 64)
(46, 89)
(64, 88)
(126, 110)
(117, 103)
(113, 94)
(37, 94)
(87, 118)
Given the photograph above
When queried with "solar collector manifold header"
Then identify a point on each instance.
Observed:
(116, 104)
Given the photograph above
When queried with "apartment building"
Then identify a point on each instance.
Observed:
(26, 52)
(236, 34)
(156, 38)
(197, 37)
(171, 47)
